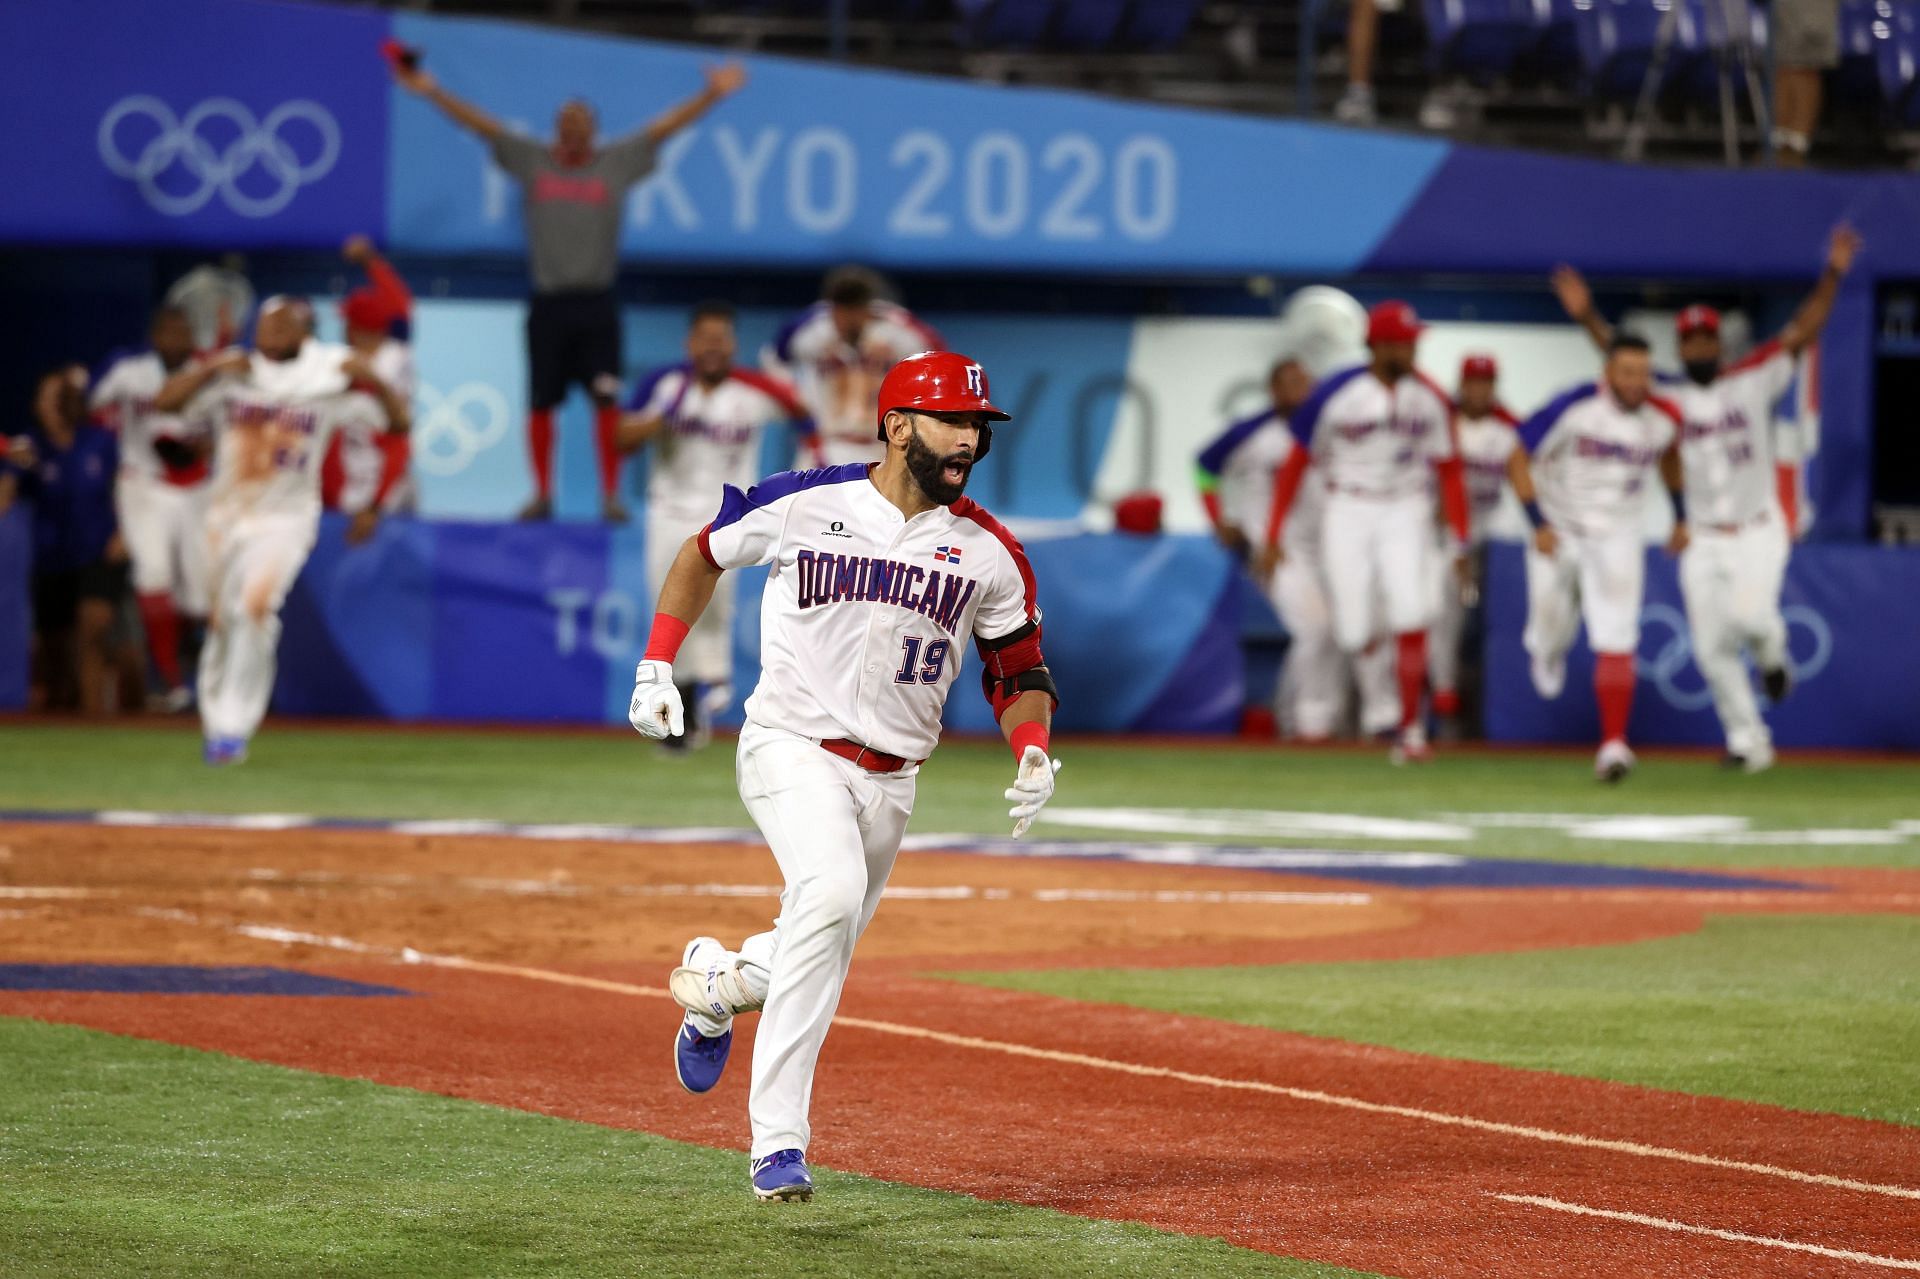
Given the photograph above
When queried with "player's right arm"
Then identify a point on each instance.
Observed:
(1208, 466)
(460, 111)
(648, 407)
(1532, 435)
(1577, 300)
(1812, 315)
(177, 391)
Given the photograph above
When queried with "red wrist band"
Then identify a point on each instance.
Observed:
(1031, 733)
(664, 640)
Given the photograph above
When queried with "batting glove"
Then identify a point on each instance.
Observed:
(656, 711)
(1032, 788)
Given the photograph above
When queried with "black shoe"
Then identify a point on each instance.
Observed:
(1777, 682)
(1733, 763)
(540, 508)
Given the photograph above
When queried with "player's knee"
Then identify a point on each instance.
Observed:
(833, 902)
(257, 605)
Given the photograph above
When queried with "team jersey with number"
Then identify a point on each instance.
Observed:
(839, 380)
(272, 425)
(1726, 444)
(712, 436)
(1373, 439)
(867, 614)
(1237, 469)
(1485, 445)
(123, 400)
(1592, 457)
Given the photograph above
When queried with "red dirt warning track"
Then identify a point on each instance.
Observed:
(1092, 1130)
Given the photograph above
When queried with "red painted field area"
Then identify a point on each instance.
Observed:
(542, 988)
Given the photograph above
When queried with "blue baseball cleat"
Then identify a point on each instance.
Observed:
(698, 1060)
(220, 751)
(781, 1177)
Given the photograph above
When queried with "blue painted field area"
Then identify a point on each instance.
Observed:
(181, 979)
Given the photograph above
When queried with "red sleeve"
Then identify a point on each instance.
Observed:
(1787, 477)
(396, 452)
(1758, 356)
(1286, 483)
(392, 289)
(1211, 500)
(1453, 495)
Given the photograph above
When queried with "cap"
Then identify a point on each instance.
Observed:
(1393, 321)
(364, 308)
(936, 382)
(1478, 366)
(1697, 319)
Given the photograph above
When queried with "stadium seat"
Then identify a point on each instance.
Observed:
(1555, 50)
(1617, 39)
(1014, 24)
(1088, 24)
(1896, 38)
(1857, 78)
(1159, 25)
(1478, 39)
(1701, 45)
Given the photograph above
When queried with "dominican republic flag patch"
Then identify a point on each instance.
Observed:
(947, 554)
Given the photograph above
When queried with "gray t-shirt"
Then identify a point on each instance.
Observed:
(573, 214)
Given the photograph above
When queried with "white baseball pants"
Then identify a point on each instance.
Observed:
(164, 527)
(1314, 680)
(255, 559)
(1377, 553)
(1598, 579)
(1731, 582)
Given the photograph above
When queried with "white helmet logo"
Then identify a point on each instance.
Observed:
(976, 380)
(287, 157)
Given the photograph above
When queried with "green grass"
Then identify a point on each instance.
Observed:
(613, 777)
(1812, 1012)
(124, 1157)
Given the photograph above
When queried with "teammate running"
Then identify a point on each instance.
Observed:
(1744, 500)
(880, 574)
(1592, 451)
(837, 350)
(161, 496)
(272, 412)
(705, 416)
(1373, 431)
(1487, 440)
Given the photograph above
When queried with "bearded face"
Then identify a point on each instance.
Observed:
(942, 477)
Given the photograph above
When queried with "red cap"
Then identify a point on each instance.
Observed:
(936, 382)
(1697, 319)
(1393, 321)
(365, 308)
(1478, 366)
(1139, 512)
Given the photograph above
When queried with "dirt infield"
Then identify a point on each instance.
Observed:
(538, 970)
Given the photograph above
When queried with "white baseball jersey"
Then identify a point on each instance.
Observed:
(840, 381)
(1591, 458)
(273, 424)
(1726, 444)
(867, 614)
(123, 400)
(1375, 440)
(712, 436)
(1485, 445)
(364, 428)
(1240, 464)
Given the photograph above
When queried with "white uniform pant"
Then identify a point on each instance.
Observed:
(1731, 581)
(835, 829)
(255, 558)
(164, 527)
(1314, 680)
(1449, 624)
(1377, 553)
(1599, 579)
(706, 656)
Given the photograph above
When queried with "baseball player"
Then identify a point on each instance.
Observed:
(1487, 439)
(161, 495)
(1371, 433)
(272, 412)
(880, 574)
(365, 473)
(1580, 474)
(705, 418)
(1235, 473)
(574, 191)
(837, 350)
(1743, 498)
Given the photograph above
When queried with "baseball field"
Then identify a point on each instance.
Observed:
(391, 1001)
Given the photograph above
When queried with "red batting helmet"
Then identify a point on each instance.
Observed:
(1697, 319)
(939, 382)
(1393, 321)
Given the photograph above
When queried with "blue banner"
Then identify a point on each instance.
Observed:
(223, 123)
(1851, 614)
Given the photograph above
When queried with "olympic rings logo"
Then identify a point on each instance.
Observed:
(1673, 660)
(181, 145)
(451, 430)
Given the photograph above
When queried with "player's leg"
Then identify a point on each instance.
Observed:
(546, 388)
(1707, 570)
(147, 523)
(598, 341)
(269, 561)
(1443, 638)
(1759, 574)
(1612, 575)
(221, 580)
(1403, 556)
(1350, 570)
(1376, 680)
(1312, 681)
(1553, 617)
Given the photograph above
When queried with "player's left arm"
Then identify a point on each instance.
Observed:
(1812, 316)
(399, 414)
(1017, 683)
(1675, 477)
(656, 710)
(723, 82)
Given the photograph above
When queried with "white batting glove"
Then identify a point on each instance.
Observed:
(656, 711)
(1032, 788)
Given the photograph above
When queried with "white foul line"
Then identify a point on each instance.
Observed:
(1547, 1135)
(1732, 1236)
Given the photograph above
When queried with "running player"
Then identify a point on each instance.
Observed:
(1580, 474)
(1372, 432)
(1487, 440)
(272, 412)
(837, 350)
(1743, 498)
(161, 495)
(880, 574)
(705, 418)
